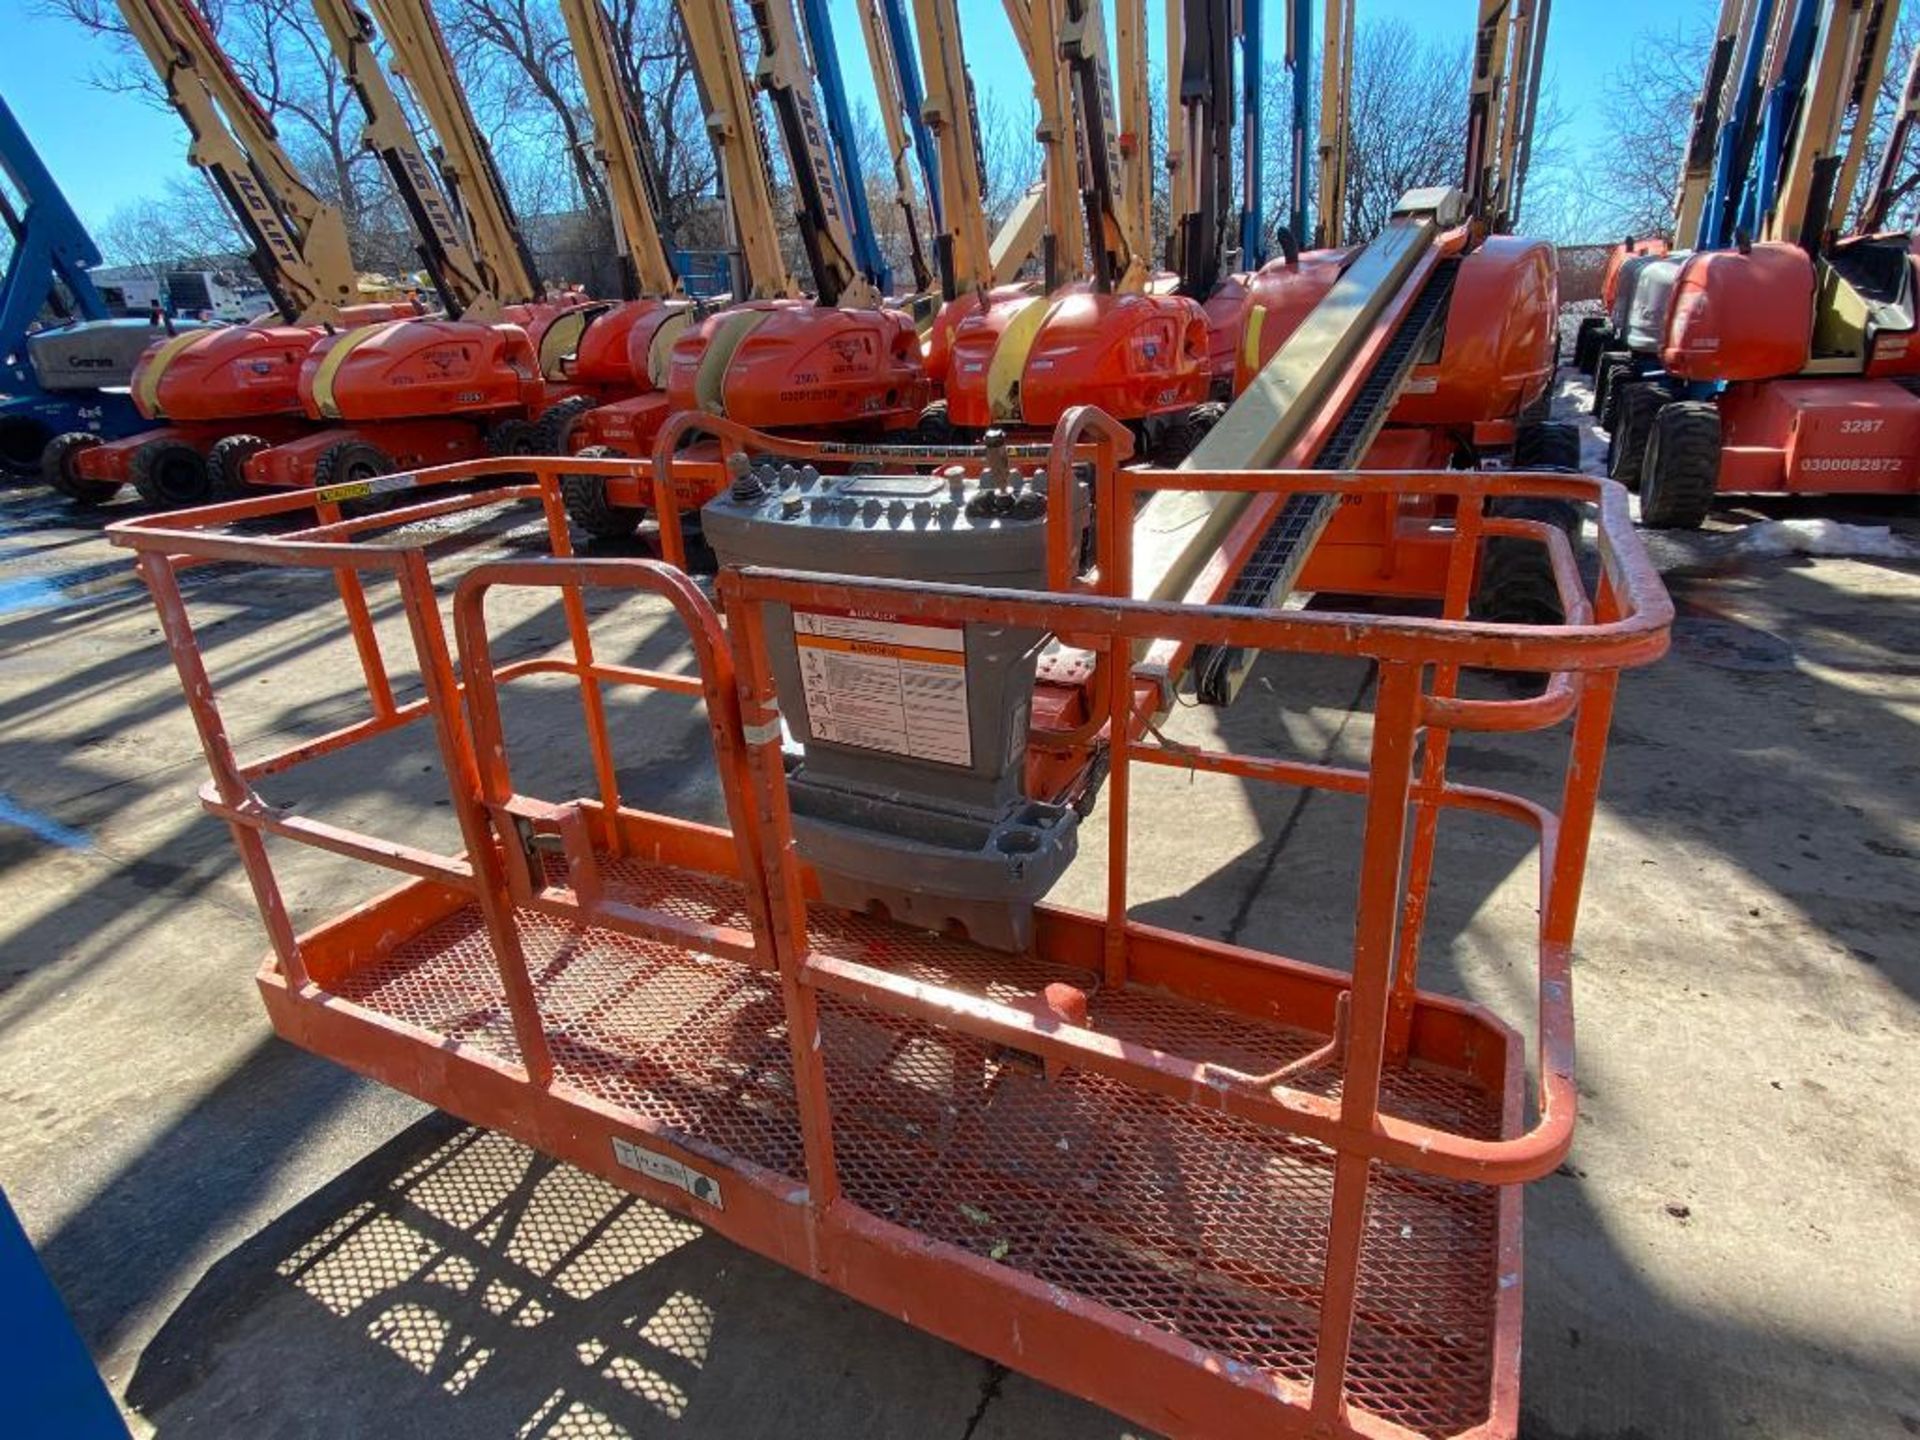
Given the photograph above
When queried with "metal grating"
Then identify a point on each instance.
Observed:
(1206, 1227)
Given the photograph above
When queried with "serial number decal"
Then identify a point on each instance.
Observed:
(1863, 465)
(669, 1171)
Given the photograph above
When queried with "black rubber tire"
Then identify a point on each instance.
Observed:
(1176, 435)
(509, 438)
(227, 466)
(1682, 466)
(350, 462)
(1547, 445)
(557, 422)
(56, 469)
(1632, 421)
(935, 428)
(1539, 410)
(170, 475)
(1516, 576)
(1614, 366)
(23, 448)
(1588, 341)
(587, 504)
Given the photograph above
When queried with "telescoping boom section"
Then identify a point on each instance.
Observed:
(219, 395)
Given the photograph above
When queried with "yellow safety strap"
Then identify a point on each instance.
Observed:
(1009, 361)
(147, 396)
(335, 357)
(709, 385)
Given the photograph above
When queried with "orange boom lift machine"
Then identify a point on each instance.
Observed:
(1781, 355)
(473, 383)
(208, 390)
(1113, 338)
(1476, 370)
(840, 362)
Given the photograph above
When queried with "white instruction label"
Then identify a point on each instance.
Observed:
(668, 1171)
(885, 685)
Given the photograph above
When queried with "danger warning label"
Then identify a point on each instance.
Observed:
(884, 685)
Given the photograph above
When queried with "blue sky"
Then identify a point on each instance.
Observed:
(110, 149)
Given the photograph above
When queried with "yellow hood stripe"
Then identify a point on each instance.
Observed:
(146, 395)
(660, 349)
(710, 383)
(335, 357)
(1009, 360)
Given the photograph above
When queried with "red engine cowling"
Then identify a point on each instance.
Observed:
(939, 341)
(1226, 321)
(1132, 355)
(1279, 297)
(238, 372)
(230, 374)
(1617, 257)
(1741, 315)
(609, 348)
(413, 368)
(1497, 353)
(794, 364)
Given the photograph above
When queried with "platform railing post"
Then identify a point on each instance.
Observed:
(366, 642)
(1119, 788)
(592, 700)
(463, 784)
(1579, 795)
(177, 626)
(786, 898)
(1390, 768)
(1462, 566)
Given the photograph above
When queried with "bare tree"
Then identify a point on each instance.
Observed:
(279, 51)
(1647, 109)
(185, 226)
(516, 58)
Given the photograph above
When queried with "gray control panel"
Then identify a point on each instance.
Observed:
(909, 738)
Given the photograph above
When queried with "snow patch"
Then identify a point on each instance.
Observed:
(1824, 537)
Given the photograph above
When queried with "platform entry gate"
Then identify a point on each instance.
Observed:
(1221, 1191)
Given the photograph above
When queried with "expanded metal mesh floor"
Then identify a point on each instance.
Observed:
(1200, 1225)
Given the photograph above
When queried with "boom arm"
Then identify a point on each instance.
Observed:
(1119, 260)
(458, 276)
(788, 81)
(1735, 151)
(1136, 127)
(1336, 88)
(299, 241)
(1862, 100)
(1063, 246)
(1696, 161)
(896, 81)
(960, 245)
(617, 148)
(1299, 61)
(1484, 110)
(737, 146)
(1200, 64)
(1253, 210)
(421, 58)
(51, 248)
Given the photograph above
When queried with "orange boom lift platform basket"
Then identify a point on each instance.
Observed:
(1220, 1191)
